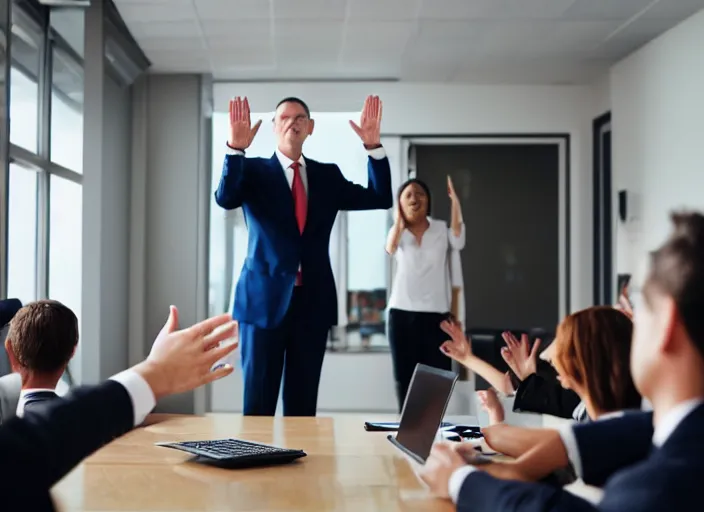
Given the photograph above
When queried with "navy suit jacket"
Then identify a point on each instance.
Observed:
(48, 442)
(638, 476)
(277, 247)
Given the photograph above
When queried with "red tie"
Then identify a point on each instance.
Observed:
(300, 203)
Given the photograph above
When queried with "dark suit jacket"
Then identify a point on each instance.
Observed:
(36, 451)
(277, 247)
(639, 477)
(8, 309)
(544, 395)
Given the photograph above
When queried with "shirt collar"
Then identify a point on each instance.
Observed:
(610, 415)
(25, 392)
(669, 423)
(286, 161)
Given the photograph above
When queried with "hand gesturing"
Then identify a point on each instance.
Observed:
(241, 130)
(399, 220)
(490, 402)
(520, 356)
(369, 128)
(624, 303)
(459, 346)
(451, 190)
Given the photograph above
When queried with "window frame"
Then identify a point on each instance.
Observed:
(40, 161)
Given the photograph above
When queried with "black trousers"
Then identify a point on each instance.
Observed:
(415, 338)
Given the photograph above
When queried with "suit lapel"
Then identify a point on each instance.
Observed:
(283, 190)
(312, 175)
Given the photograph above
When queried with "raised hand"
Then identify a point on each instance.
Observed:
(458, 347)
(399, 220)
(519, 355)
(451, 190)
(181, 360)
(369, 127)
(624, 303)
(489, 401)
(241, 130)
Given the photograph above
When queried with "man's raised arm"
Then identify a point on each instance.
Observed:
(232, 189)
(377, 194)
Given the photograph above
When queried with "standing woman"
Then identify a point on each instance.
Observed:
(421, 292)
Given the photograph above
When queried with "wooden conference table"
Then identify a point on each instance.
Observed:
(347, 469)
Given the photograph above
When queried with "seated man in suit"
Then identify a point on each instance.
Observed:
(48, 442)
(10, 383)
(648, 462)
(41, 341)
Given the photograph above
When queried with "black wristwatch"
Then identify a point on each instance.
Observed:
(234, 149)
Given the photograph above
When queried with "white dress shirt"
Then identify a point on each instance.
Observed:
(142, 396)
(140, 393)
(422, 281)
(667, 425)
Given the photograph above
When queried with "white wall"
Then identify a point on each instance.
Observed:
(441, 109)
(657, 111)
(437, 109)
(106, 203)
(169, 213)
(601, 95)
(116, 226)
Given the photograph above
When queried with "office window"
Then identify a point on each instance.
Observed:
(67, 112)
(65, 242)
(67, 88)
(24, 91)
(22, 234)
(23, 110)
(69, 23)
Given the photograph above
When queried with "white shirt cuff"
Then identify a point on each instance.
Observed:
(570, 442)
(143, 400)
(454, 486)
(377, 153)
(231, 151)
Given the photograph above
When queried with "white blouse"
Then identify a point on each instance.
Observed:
(422, 280)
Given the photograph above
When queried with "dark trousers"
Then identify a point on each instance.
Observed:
(415, 338)
(295, 350)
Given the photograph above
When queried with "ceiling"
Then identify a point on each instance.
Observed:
(472, 41)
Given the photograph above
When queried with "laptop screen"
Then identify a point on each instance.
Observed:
(426, 401)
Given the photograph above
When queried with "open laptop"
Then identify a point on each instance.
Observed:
(423, 411)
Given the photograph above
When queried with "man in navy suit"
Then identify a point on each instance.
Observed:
(646, 462)
(285, 300)
(40, 448)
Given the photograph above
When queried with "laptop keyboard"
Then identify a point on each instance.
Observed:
(222, 449)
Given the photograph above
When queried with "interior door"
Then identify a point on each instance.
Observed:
(603, 220)
(511, 205)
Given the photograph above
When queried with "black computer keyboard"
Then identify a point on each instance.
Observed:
(236, 451)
